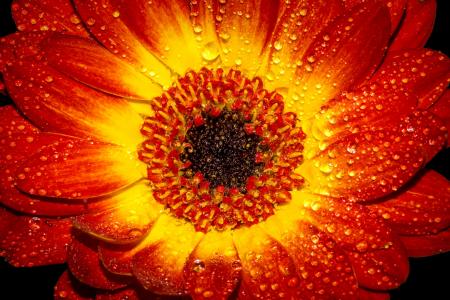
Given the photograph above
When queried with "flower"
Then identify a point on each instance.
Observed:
(259, 149)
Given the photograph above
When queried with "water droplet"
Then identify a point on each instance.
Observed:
(210, 52)
(116, 14)
(277, 46)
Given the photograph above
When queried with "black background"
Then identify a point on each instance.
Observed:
(429, 277)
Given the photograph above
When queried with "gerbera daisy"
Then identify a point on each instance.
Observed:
(223, 149)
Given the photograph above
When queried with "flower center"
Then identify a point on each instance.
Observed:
(220, 150)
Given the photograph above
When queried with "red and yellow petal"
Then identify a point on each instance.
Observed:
(213, 269)
(296, 29)
(377, 256)
(417, 25)
(166, 28)
(427, 245)
(124, 218)
(86, 61)
(33, 241)
(78, 169)
(372, 163)
(117, 259)
(47, 15)
(85, 265)
(59, 104)
(328, 66)
(421, 72)
(245, 29)
(422, 208)
(323, 267)
(159, 264)
(68, 288)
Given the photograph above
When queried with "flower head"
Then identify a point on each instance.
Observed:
(213, 149)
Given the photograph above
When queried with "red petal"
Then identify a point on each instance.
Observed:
(58, 104)
(289, 44)
(68, 288)
(369, 295)
(88, 62)
(442, 109)
(267, 268)
(117, 259)
(370, 105)
(328, 66)
(416, 26)
(213, 269)
(422, 208)
(7, 220)
(37, 241)
(19, 140)
(103, 20)
(427, 245)
(245, 29)
(19, 45)
(85, 265)
(323, 267)
(160, 264)
(47, 15)
(125, 218)
(377, 257)
(77, 169)
(421, 72)
(372, 163)
(127, 294)
(396, 9)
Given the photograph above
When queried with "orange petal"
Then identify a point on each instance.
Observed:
(377, 256)
(159, 265)
(19, 140)
(125, 218)
(323, 267)
(267, 268)
(372, 163)
(289, 43)
(213, 269)
(102, 18)
(422, 208)
(101, 169)
(328, 66)
(427, 245)
(47, 15)
(396, 9)
(88, 62)
(85, 265)
(59, 104)
(245, 28)
(416, 26)
(421, 72)
(33, 241)
(68, 288)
